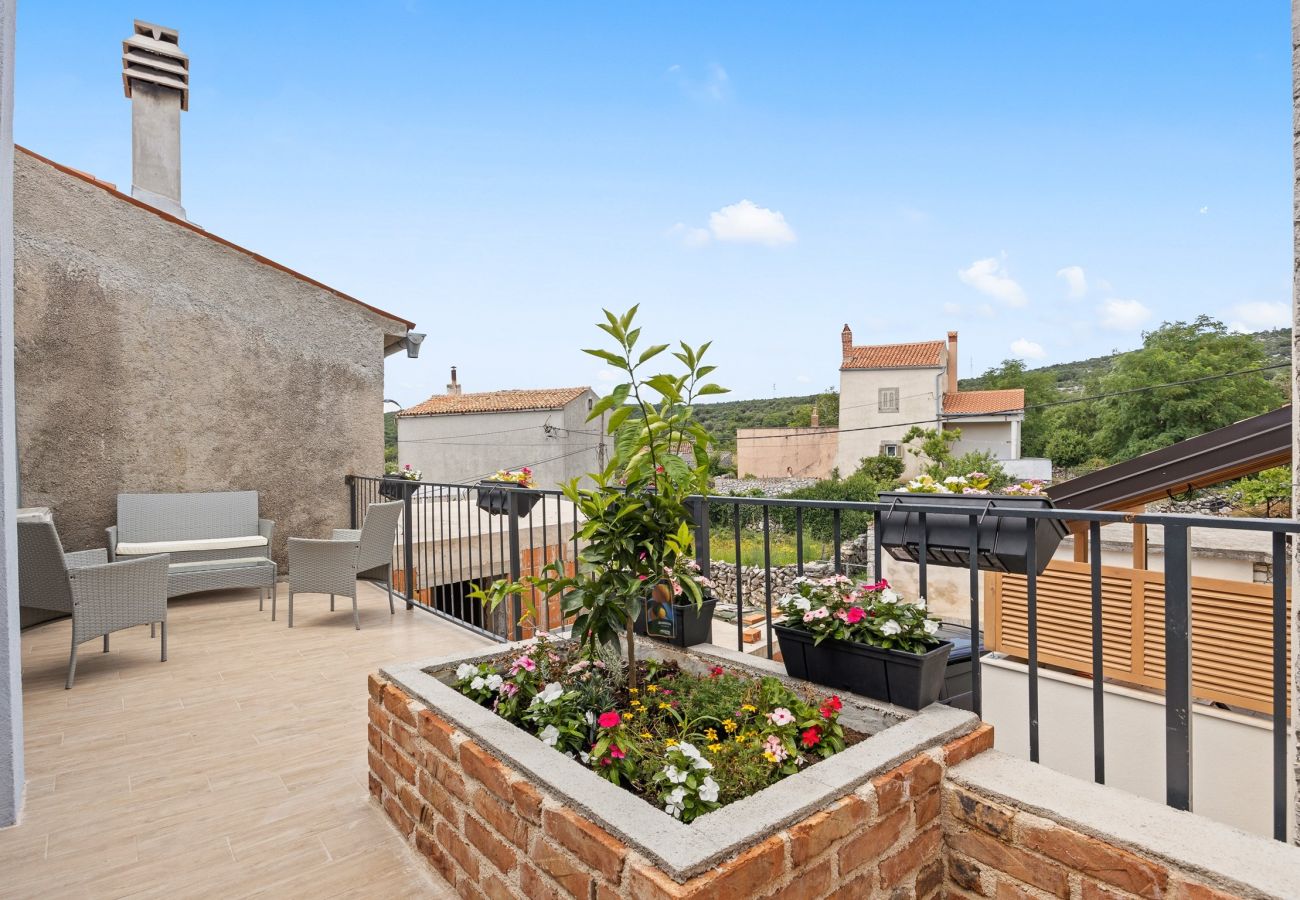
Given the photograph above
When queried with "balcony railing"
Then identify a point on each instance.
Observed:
(447, 545)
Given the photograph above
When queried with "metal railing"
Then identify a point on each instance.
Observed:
(764, 515)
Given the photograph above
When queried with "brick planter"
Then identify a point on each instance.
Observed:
(499, 814)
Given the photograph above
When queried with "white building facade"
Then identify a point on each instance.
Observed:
(458, 438)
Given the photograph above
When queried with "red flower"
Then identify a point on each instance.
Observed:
(812, 737)
(855, 615)
(616, 753)
(715, 671)
(609, 719)
(831, 707)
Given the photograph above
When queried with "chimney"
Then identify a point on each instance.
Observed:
(846, 341)
(453, 389)
(814, 420)
(156, 78)
(952, 362)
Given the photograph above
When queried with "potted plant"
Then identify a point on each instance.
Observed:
(864, 639)
(670, 615)
(399, 483)
(508, 487)
(1003, 541)
(635, 517)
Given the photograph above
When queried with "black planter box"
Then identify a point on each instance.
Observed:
(496, 497)
(677, 621)
(395, 487)
(1003, 541)
(913, 680)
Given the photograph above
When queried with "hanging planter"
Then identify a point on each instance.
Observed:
(394, 486)
(913, 680)
(1003, 540)
(676, 620)
(496, 498)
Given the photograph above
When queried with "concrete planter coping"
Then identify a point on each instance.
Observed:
(684, 850)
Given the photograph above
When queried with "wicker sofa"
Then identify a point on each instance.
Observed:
(214, 540)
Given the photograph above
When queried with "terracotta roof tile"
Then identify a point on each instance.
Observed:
(495, 401)
(984, 402)
(924, 354)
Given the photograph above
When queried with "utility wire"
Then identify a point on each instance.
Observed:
(1006, 412)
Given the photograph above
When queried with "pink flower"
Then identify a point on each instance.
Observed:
(616, 753)
(781, 716)
(524, 662)
(841, 615)
(509, 688)
(856, 615)
(818, 613)
(609, 719)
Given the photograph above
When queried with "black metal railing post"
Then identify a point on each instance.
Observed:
(516, 568)
(351, 482)
(408, 545)
(1178, 667)
(976, 682)
(700, 512)
(1031, 620)
(1280, 733)
(1098, 657)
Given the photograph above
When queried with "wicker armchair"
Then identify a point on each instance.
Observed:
(101, 597)
(333, 566)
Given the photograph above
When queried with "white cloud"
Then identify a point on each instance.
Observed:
(803, 379)
(989, 277)
(952, 309)
(1259, 315)
(1075, 278)
(1204, 210)
(688, 235)
(986, 310)
(714, 87)
(748, 223)
(1123, 315)
(1026, 349)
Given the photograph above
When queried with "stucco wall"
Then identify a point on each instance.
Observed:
(769, 452)
(151, 358)
(460, 448)
(859, 402)
(1000, 438)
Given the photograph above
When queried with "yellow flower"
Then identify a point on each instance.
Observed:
(715, 748)
(652, 688)
(665, 706)
(635, 703)
(769, 756)
(627, 717)
(710, 734)
(645, 735)
(748, 707)
(729, 725)
(740, 739)
(633, 691)
(670, 743)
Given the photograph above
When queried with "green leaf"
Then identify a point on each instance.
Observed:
(611, 358)
(711, 389)
(651, 352)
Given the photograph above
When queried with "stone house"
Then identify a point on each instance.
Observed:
(457, 438)
(155, 356)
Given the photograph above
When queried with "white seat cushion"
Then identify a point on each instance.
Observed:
(243, 562)
(151, 547)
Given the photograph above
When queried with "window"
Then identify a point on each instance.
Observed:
(888, 400)
(590, 403)
(893, 450)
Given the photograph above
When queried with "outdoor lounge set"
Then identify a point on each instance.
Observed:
(168, 545)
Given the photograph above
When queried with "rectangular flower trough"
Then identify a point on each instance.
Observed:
(498, 813)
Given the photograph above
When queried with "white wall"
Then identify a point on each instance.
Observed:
(11, 688)
(461, 448)
(1000, 438)
(1232, 755)
(859, 400)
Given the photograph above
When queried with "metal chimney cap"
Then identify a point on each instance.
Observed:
(152, 55)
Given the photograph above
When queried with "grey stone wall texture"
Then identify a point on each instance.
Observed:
(154, 358)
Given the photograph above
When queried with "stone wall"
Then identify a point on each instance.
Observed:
(152, 357)
(488, 831)
(855, 557)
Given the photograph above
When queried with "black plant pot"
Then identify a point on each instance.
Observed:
(395, 487)
(495, 499)
(676, 620)
(1003, 541)
(913, 680)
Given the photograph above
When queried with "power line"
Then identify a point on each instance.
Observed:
(1007, 412)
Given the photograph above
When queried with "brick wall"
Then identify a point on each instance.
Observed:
(996, 851)
(490, 833)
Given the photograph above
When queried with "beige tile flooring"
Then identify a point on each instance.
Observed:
(237, 768)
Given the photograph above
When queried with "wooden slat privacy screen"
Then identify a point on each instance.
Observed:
(1232, 629)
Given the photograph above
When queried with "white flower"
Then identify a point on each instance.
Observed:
(890, 627)
(477, 684)
(888, 596)
(803, 603)
(550, 693)
(465, 670)
(494, 682)
(930, 626)
(674, 802)
(920, 603)
(709, 790)
(701, 763)
(690, 751)
(584, 756)
(954, 479)
(675, 775)
(550, 735)
(781, 716)
(590, 717)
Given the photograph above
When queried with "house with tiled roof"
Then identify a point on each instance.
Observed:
(885, 390)
(458, 437)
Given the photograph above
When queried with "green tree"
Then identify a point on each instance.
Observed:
(828, 411)
(1039, 387)
(1137, 423)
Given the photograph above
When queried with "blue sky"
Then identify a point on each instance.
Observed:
(1049, 179)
